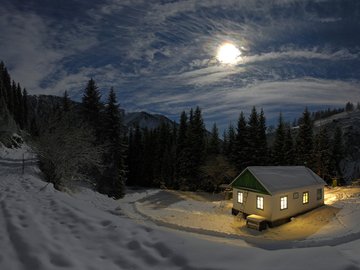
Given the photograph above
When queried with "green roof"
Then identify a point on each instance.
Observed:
(246, 180)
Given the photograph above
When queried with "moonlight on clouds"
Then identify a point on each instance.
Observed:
(228, 54)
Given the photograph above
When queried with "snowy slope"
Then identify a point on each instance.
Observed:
(41, 228)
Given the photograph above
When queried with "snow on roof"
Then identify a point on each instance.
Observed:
(279, 178)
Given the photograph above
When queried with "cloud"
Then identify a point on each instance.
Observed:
(314, 53)
(33, 47)
(105, 77)
(23, 46)
(223, 104)
(207, 76)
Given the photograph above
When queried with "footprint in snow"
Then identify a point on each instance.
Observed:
(133, 245)
(105, 223)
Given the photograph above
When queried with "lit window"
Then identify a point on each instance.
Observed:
(296, 195)
(240, 197)
(283, 202)
(305, 197)
(319, 194)
(260, 202)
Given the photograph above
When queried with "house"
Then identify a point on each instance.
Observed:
(276, 193)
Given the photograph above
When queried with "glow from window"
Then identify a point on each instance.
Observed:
(305, 197)
(283, 202)
(260, 202)
(240, 197)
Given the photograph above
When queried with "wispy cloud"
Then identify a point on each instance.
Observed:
(315, 53)
(33, 47)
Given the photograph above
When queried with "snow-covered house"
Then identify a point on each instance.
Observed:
(277, 193)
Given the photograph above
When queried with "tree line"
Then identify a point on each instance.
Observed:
(321, 151)
(13, 104)
(186, 156)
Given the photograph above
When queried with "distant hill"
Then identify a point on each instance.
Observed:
(145, 120)
(349, 122)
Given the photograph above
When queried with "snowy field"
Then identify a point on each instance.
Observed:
(41, 228)
(211, 214)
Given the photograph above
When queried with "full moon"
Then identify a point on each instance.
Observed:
(228, 54)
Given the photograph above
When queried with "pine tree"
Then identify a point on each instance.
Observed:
(34, 129)
(337, 153)
(115, 171)
(225, 143)
(231, 147)
(289, 153)
(253, 138)
(196, 146)
(304, 141)
(7, 125)
(181, 141)
(19, 109)
(182, 149)
(66, 102)
(322, 154)
(7, 88)
(165, 161)
(25, 108)
(279, 143)
(2, 89)
(214, 143)
(12, 100)
(91, 107)
(240, 144)
(135, 157)
(113, 122)
(349, 107)
(262, 142)
(149, 158)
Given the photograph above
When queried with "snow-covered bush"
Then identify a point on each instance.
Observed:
(66, 152)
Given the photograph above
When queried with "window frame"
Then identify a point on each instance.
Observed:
(259, 199)
(286, 202)
(242, 197)
(306, 195)
(321, 194)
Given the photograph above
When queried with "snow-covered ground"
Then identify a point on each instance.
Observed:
(211, 214)
(41, 228)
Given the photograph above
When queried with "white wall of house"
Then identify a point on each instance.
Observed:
(272, 204)
(296, 204)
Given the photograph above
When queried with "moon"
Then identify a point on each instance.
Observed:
(228, 54)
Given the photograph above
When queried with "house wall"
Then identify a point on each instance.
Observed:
(296, 206)
(272, 211)
(249, 206)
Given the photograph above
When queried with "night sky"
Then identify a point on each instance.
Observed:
(161, 56)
